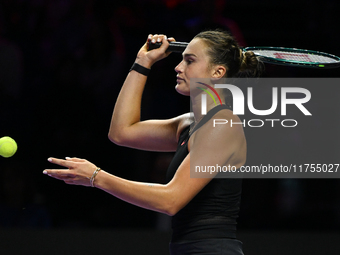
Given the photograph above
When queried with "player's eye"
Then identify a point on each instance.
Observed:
(189, 61)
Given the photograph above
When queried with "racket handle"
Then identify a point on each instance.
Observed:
(173, 46)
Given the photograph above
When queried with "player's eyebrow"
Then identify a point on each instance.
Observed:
(189, 55)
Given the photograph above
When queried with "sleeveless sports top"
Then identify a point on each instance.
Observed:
(213, 211)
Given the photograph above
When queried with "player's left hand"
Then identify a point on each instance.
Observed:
(78, 172)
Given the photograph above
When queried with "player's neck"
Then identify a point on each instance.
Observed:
(201, 107)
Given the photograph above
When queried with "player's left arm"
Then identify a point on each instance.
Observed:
(209, 146)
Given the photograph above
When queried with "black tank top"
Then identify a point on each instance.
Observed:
(213, 211)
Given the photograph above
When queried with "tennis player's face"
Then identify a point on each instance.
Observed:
(195, 64)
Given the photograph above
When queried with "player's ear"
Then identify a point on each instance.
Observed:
(218, 72)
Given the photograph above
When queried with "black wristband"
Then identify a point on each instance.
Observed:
(140, 69)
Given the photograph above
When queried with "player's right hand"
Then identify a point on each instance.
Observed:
(148, 58)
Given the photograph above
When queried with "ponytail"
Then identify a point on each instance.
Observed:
(250, 65)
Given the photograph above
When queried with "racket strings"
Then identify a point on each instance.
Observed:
(295, 56)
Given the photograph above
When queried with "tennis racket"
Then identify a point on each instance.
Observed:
(276, 55)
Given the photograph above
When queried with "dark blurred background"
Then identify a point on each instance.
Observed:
(62, 64)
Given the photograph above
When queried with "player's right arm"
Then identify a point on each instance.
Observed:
(126, 129)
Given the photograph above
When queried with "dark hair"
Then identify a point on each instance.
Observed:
(224, 50)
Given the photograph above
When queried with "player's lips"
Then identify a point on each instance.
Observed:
(179, 79)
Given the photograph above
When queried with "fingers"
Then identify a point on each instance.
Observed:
(62, 162)
(60, 174)
(71, 182)
(74, 159)
(160, 38)
(164, 40)
(79, 171)
(148, 57)
(171, 39)
(156, 38)
(63, 175)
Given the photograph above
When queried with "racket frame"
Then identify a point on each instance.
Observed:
(179, 47)
(278, 61)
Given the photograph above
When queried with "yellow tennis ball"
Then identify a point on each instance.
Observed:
(8, 147)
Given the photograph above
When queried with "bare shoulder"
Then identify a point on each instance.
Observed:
(225, 120)
(222, 133)
(184, 121)
(223, 128)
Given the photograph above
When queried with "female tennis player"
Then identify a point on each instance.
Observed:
(204, 209)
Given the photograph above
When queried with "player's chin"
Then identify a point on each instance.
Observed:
(182, 89)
